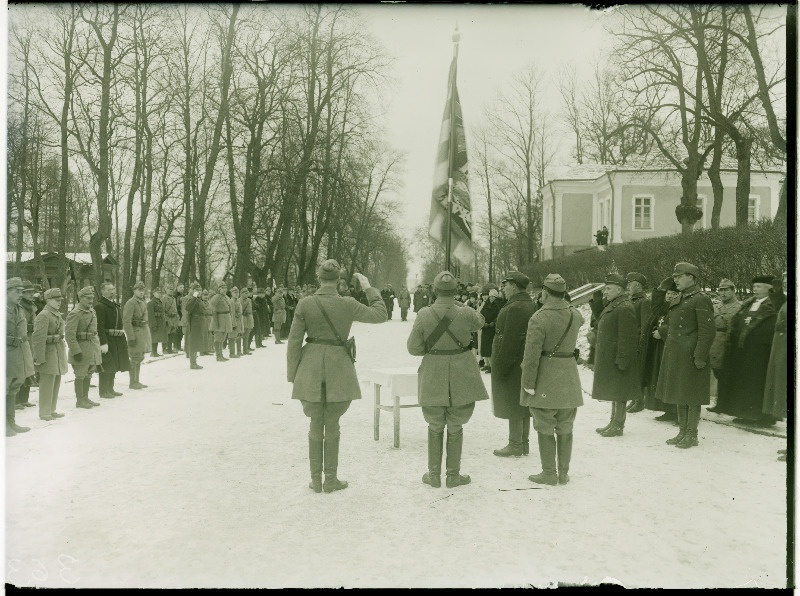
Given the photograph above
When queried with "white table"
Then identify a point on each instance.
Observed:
(400, 382)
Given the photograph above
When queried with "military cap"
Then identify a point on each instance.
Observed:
(685, 268)
(615, 279)
(14, 283)
(52, 293)
(726, 283)
(494, 293)
(634, 276)
(444, 280)
(139, 285)
(329, 269)
(763, 279)
(518, 278)
(668, 284)
(555, 282)
(156, 289)
(27, 286)
(87, 291)
(194, 285)
(234, 289)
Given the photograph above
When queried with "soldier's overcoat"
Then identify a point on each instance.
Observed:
(134, 313)
(157, 320)
(81, 336)
(47, 342)
(236, 317)
(221, 314)
(109, 318)
(723, 313)
(690, 321)
(447, 380)
(316, 368)
(19, 360)
(247, 313)
(194, 313)
(777, 369)
(616, 376)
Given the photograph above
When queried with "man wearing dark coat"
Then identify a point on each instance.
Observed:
(685, 377)
(651, 348)
(177, 334)
(507, 350)
(113, 347)
(420, 298)
(195, 316)
(260, 316)
(387, 293)
(777, 370)
(159, 329)
(747, 350)
(489, 311)
(615, 376)
(641, 306)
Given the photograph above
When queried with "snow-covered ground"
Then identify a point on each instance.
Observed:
(202, 481)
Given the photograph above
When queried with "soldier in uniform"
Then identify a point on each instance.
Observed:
(449, 378)
(278, 314)
(49, 353)
(259, 314)
(247, 321)
(235, 337)
(684, 379)
(137, 330)
(209, 314)
(642, 307)
(157, 319)
(221, 324)
(550, 382)
(322, 371)
(113, 347)
(404, 302)
(27, 302)
(387, 293)
(194, 313)
(616, 378)
(177, 335)
(84, 345)
(507, 350)
(172, 318)
(727, 306)
(19, 361)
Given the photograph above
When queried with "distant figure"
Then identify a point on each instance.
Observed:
(602, 236)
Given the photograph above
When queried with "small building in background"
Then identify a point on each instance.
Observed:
(79, 268)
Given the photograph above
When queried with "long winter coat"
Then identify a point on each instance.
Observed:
(135, 311)
(491, 308)
(82, 322)
(317, 369)
(690, 322)
(420, 299)
(744, 368)
(642, 307)
(171, 313)
(236, 317)
(194, 314)
(507, 350)
(403, 298)
(651, 350)
(555, 380)
(109, 317)
(616, 376)
(156, 317)
(723, 313)
(278, 311)
(777, 369)
(19, 360)
(47, 343)
(247, 313)
(447, 380)
(221, 314)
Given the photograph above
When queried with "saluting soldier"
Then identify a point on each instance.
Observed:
(278, 314)
(616, 378)
(84, 345)
(449, 378)
(550, 381)
(156, 318)
(19, 360)
(137, 330)
(685, 375)
(194, 313)
(641, 307)
(507, 352)
(235, 337)
(322, 371)
(247, 321)
(221, 324)
(31, 310)
(113, 346)
(49, 353)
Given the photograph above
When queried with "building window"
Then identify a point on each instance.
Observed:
(701, 204)
(753, 208)
(643, 212)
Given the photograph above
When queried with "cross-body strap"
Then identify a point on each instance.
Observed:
(327, 318)
(441, 328)
(569, 326)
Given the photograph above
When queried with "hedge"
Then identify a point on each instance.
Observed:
(738, 254)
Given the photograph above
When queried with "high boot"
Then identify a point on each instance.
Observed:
(514, 447)
(82, 403)
(455, 443)
(683, 419)
(692, 420)
(603, 429)
(105, 387)
(547, 455)
(331, 465)
(138, 374)
(85, 394)
(154, 353)
(218, 348)
(232, 348)
(134, 372)
(564, 452)
(278, 337)
(315, 451)
(113, 391)
(193, 362)
(617, 422)
(433, 476)
(526, 436)
(637, 405)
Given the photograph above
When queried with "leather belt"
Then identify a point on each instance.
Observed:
(139, 323)
(326, 342)
(558, 354)
(52, 339)
(85, 335)
(449, 352)
(115, 332)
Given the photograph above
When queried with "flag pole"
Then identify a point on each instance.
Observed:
(456, 37)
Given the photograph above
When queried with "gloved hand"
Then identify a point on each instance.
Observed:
(104, 349)
(196, 294)
(77, 357)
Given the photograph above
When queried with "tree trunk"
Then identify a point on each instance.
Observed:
(716, 180)
(744, 147)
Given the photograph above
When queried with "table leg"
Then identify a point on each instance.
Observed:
(397, 422)
(377, 413)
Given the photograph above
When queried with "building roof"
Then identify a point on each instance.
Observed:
(81, 258)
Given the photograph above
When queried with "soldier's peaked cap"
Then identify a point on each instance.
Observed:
(329, 269)
(139, 285)
(518, 278)
(52, 293)
(445, 280)
(683, 267)
(555, 282)
(726, 283)
(615, 279)
(635, 276)
(87, 291)
(763, 279)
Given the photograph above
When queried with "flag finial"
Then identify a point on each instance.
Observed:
(456, 35)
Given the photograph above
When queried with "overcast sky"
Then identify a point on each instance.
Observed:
(496, 43)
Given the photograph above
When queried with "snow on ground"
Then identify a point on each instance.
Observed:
(202, 481)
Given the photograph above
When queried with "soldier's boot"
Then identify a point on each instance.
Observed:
(135, 368)
(515, 443)
(331, 465)
(637, 405)
(23, 397)
(455, 443)
(315, 452)
(564, 452)
(603, 429)
(107, 386)
(433, 476)
(85, 396)
(45, 403)
(218, 348)
(81, 402)
(617, 422)
(547, 455)
(154, 350)
(683, 420)
(112, 391)
(193, 362)
(12, 428)
(278, 337)
(692, 421)
(138, 375)
(246, 347)
(232, 348)
(526, 436)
